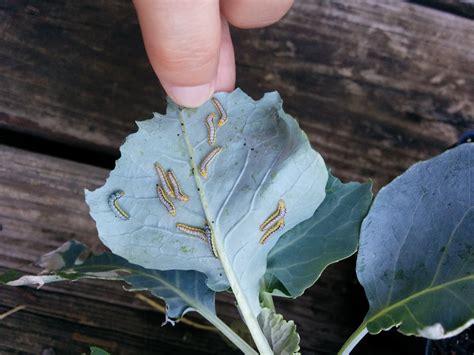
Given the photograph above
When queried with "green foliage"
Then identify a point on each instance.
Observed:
(416, 254)
(331, 234)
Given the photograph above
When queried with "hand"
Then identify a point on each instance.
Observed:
(189, 45)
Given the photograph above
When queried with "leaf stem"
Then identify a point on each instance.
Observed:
(354, 339)
(219, 324)
(266, 297)
(228, 332)
(244, 307)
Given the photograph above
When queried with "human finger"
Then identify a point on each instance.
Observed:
(182, 39)
(254, 13)
(225, 80)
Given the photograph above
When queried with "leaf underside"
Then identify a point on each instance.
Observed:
(265, 158)
(416, 258)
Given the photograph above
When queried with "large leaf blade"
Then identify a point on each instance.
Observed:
(416, 258)
(330, 235)
(265, 158)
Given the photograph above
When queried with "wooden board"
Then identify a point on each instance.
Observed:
(377, 86)
(42, 206)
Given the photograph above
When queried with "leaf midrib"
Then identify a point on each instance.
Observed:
(199, 184)
(240, 296)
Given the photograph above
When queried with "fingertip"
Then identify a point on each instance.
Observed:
(182, 39)
(254, 13)
(189, 96)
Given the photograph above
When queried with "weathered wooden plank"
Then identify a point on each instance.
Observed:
(459, 7)
(74, 71)
(377, 86)
(69, 325)
(42, 206)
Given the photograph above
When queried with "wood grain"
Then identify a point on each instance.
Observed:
(376, 85)
(74, 71)
(42, 206)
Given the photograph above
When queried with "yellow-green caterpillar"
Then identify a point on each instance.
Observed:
(115, 207)
(273, 229)
(211, 128)
(178, 192)
(204, 234)
(196, 231)
(165, 201)
(211, 241)
(222, 114)
(164, 180)
(207, 160)
(280, 212)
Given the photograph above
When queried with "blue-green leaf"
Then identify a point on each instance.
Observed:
(181, 290)
(416, 258)
(301, 254)
(265, 158)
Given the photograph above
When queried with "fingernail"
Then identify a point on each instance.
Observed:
(191, 96)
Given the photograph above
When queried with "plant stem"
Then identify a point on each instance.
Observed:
(228, 332)
(245, 310)
(212, 318)
(218, 324)
(266, 297)
(353, 340)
